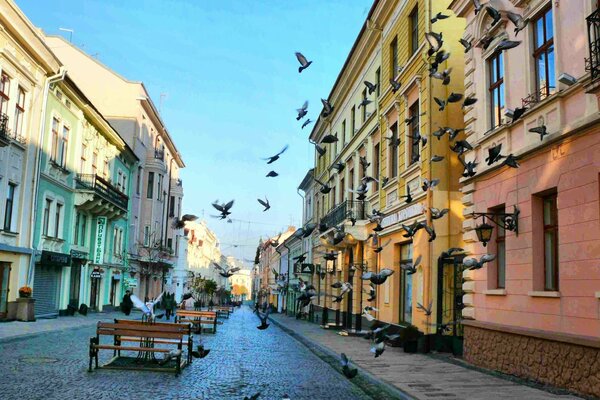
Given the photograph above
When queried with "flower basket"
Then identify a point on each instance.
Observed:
(25, 292)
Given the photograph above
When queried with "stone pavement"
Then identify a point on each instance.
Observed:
(52, 364)
(419, 376)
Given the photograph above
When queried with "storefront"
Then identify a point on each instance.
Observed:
(78, 260)
(46, 282)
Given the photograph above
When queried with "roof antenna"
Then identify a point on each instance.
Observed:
(71, 31)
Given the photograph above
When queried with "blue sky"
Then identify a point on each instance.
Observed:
(232, 87)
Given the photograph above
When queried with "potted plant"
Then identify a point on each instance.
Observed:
(410, 336)
(25, 292)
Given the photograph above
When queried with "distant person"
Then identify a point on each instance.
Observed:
(127, 304)
(169, 304)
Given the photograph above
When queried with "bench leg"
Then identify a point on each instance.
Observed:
(93, 352)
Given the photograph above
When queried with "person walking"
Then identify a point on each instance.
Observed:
(126, 303)
(170, 305)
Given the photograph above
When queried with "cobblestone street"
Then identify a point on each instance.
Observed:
(243, 361)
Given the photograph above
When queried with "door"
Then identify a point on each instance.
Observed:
(4, 280)
(113, 291)
(75, 284)
(450, 304)
(46, 285)
(94, 293)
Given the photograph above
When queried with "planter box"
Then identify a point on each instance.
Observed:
(25, 310)
(11, 310)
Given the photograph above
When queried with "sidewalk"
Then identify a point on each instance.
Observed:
(419, 376)
(15, 329)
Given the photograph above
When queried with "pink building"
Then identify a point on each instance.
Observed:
(534, 311)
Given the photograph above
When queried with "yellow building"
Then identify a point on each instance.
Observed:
(391, 45)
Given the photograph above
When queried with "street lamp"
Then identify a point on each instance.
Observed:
(509, 222)
(484, 232)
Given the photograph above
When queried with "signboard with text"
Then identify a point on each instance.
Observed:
(402, 215)
(100, 238)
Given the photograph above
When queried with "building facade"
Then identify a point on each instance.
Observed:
(539, 299)
(27, 68)
(242, 279)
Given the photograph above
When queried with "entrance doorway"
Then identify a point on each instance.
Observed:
(94, 293)
(450, 304)
(113, 290)
(75, 284)
(4, 280)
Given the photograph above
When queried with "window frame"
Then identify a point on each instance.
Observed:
(413, 127)
(499, 240)
(64, 146)
(19, 111)
(54, 139)
(46, 217)
(403, 281)
(414, 29)
(57, 219)
(496, 64)
(363, 112)
(394, 58)
(393, 150)
(376, 155)
(9, 206)
(543, 50)
(150, 188)
(551, 227)
(4, 92)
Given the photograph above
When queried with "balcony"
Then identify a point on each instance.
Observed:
(159, 155)
(6, 134)
(99, 197)
(345, 210)
(592, 64)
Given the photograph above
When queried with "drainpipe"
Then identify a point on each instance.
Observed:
(62, 72)
(288, 278)
(168, 203)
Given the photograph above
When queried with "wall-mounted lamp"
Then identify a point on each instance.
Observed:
(509, 222)
(567, 79)
(509, 112)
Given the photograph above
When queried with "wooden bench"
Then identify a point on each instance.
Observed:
(199, 319)
(147, 335)
(176, 326)
(222, 311)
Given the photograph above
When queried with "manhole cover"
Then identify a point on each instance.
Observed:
(38, 360)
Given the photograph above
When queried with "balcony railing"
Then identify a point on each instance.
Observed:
(538, 96)
(103, 189)
(6, 134)
(159, 155)
(345, 210)
(592, 64)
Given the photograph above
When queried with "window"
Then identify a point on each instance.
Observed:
(83, 160)
(342, 190)
(83, 230)
(46, 225)
(172, 207)
(496, 89)
(124, 183)
(343, 133)
(147, 236)
(393, 152)
(414, 30)
(364, 107)
(544, 54)
(159, 186)
(57, 220)
(115, 241)
(138, 183)
(376, 166)
(550, 242)
(413, 150)
(378, 81)
(64, 142)
(406, 256)
(500, 249)
(352, 121)
(351, 179)
(19, 112)
(394, 58)
(105, 169)
(178, 207)
(8, 208)
(119, 177)
(77, 228)
(95, 163)
(55, 142)
(4, 90)
(150, 190)
(170, 243)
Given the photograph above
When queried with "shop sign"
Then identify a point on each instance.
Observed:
(79, 255)
(307, 268)
(402, 215)
(99, 244)
(130, 282)
(55, 259)
(96, 273)
(116, 277)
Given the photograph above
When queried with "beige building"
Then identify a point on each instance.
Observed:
(158, 191)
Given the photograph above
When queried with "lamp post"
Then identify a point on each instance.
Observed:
(509, 222)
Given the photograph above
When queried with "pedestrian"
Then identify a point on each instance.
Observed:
(127, 304)
(169, 304)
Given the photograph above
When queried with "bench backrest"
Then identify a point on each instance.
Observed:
(141, 330)
(191, 313)
(186, 328)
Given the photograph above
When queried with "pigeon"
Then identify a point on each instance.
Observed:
(147, 308)
(348, 372)
(451, 251)
(263, 320)
(454, 97)
(440, 57)
(170, 355)
(435, 42)
(377, 278)
(384, 180)
(226, 273)
(429, 184)
(328, 139)
(179, 223)
(473, 263)
(494, 154)
(339, 166)
(327, 108)
(275, 242)
(511, 161)
(441, 103)
(436, 213)
(477, 5)
(453, 133)
(264, 203)
(272, 174)
(469, 101)
(436, 158)
(300, 259)
(412, 229)
(200, 352)
(507, 45)
(223, 208)
(364, 103)
(461, 146)
(416, 136)
(378, 349)
(407, 196)
(370, 87)
(308, 229)
(494, 14)
(276, 156)
(540, 130)
(304, 63)
(325, 188)
(517, 21)
(487, 40)
(430, 231)
(439, 133)
(366, 313)
(467, 44)
(395, 85)
(394, 141)
(438, 17)
(302, 111)
(469, 170)
(426, 310)
(308, 121)
(411, 267)
(372, 292)
(379, 248)
(364, 163)
(443, 76)
(518, 113)
(253, 397)
(320, 150)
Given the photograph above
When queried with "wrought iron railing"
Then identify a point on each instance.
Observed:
(6, 134)
(592, 64)
(343, 211)
(102, 188)
(159, 155)
(538, 96)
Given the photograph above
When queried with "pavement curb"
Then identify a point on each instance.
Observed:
(366, 381)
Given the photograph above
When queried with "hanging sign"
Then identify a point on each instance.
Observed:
(99, 243)
(96, 273)
(308, 268)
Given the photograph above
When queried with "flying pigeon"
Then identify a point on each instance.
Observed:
(377, 278)
(264, 203)
(272, 174)
(511, 161)
(148, 307)
(226, 273)
(263, 320)
(469, 170)
(436, 213)
(438, 17)
(426, 310)
(328, 139)
(302, 111)
(223, 208)
(540, 130)
(276, 156)
(304, 63)
(469, 101)
(494, 154)
(395, 85)
(411, 266)
(200, 352)
(327, 108)
(348, 372)
(517, 21)
(370, 87)
(473, 263)
(179, 223)
(308, 121)
(325, 188)
(466, 44)
(494, 14)
(507, 45)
